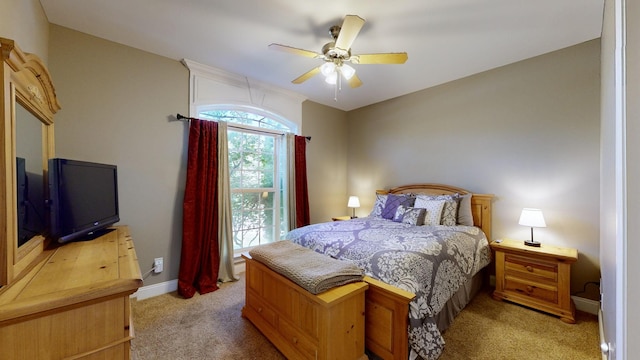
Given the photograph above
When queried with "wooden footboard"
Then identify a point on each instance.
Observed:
(387, 320)
(326, 326)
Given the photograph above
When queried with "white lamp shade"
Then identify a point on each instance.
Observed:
(354, 202)
(347, 71)
(328, 68)
(532, 217)
(331, 78)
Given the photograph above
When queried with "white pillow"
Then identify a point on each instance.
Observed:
(434, 210)
(381, 200)
(449, 214)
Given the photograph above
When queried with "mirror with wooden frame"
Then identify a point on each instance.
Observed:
(28, 102)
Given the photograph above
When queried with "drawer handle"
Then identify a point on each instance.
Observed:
(295, 340)
(259, 310)
(529, 289)
(529, 269)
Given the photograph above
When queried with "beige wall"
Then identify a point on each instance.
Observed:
(117, 103)
(24, 22)
(326, 160)
(527, 132)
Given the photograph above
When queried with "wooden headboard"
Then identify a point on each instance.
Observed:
(480, 203)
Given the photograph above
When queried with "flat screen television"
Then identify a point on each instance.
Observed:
(83, 199)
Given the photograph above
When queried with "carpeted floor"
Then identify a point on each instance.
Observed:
(210, 327)
(490, 329)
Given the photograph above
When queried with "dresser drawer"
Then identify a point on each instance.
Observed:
(293, 336)
(531, 268)
(534, 290)
(264, 310)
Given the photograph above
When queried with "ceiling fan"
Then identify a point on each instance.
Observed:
(337, 53)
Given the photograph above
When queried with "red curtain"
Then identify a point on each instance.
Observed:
(302, 192)
(200, 258)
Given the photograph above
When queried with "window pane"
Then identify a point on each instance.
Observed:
(254, 218)
(256, 169)
(250, 237)
(245, 118)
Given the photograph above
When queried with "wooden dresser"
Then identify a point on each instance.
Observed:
(538, 277)
(74, 304)
(301, 325)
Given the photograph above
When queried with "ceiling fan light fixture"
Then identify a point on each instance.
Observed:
(337, 52)
(347, 71)
(328, 68)
(332, 78)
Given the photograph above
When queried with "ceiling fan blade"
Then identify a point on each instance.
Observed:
(354, 82)
(386, 58)
(350, 29)
(295, 51)
(304, 77)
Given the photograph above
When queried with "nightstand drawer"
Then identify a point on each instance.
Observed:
(535, 290)
(531, 268)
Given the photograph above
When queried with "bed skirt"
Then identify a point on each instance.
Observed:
(459, 300)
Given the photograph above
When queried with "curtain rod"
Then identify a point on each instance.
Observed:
(185, 118)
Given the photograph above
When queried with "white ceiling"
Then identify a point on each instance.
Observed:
(445, 39)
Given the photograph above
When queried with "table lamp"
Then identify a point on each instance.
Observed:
(532, 218)
(354, 202)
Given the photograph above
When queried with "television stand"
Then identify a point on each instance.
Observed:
(74, 302)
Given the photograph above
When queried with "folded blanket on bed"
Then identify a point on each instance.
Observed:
(312, 271)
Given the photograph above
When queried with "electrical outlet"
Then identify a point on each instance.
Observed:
(157, 265)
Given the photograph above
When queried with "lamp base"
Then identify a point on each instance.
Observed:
(532, 243)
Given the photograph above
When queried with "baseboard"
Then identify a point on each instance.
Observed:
(146, 292)
(586, 305)
(239, 266)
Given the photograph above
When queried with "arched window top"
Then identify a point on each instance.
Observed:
(247, 116)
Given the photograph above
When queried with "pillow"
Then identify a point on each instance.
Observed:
(449, 216)
(465, 217)
(397, 217)
(378, 205)
(409, 215)
(434, 210)
(450, 211)
(392, 203)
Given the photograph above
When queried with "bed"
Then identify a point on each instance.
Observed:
(407, 310)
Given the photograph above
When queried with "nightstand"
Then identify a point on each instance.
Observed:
(340, 218)
(537, 277)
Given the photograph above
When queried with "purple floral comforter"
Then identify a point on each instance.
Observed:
(429, 261)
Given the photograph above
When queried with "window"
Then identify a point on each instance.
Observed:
(257, 169)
